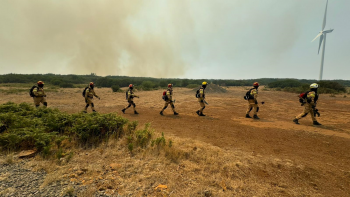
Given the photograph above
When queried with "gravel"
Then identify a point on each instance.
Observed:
(17, 180)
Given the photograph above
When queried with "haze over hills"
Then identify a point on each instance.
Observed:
(226, 40)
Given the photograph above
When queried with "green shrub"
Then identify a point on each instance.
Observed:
(285, 83)
(191, 86)
(27, 127)
(147, 85)
(116, 88)
(66, 85)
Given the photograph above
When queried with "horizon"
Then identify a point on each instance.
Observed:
(172, 78)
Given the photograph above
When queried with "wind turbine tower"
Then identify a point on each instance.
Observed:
(323, 33)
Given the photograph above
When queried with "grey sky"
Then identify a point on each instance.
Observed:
(233, 39)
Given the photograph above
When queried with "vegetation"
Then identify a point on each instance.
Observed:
(145, 83)
(326, 87)
(46, 130)
(116, 88)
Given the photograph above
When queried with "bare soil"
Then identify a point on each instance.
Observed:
(322, 150)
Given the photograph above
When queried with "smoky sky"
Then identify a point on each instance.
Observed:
(233, 39)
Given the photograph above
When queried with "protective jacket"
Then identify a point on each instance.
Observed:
(39, 92)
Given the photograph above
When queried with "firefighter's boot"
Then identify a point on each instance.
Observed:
(317, 123)
(201, 114)
(197, 112)
(256, 117)
(296, 121)
(247, 116)
(161, 113)
(135, 112)
(175, 113)
(123, 110)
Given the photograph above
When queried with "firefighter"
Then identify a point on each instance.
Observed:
(253, 102)
(130, 97)
(89, 96)
(168, 98)
(201, 98)
(309, 100)
(39, 95)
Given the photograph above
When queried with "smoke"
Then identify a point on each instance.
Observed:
(86, 36)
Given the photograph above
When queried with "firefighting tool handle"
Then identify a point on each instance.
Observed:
(205, 102)
(173, 101)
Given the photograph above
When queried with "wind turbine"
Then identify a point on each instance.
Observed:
(323, 35)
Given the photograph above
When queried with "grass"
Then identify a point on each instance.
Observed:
(188, 168)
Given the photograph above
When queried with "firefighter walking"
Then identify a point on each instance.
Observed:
(201, 98)
(130, 97)
(89, 94)
(38, 94)
(168, 98)
(252, 101)
(309, 100)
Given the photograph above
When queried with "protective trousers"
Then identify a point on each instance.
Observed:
(89, 102)
(308, 109)
(201, 103)
(38, 100)
(131, 103)
(252, 106)
(171, 104)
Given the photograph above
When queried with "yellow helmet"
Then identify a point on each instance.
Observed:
(314, 85)
(204, 83)
(40, 83)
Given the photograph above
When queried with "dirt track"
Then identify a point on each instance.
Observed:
(324, 149)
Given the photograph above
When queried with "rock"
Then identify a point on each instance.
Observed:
(115, 166)
(207, 193)
(27, 154)
(79, 172)
(72, 176)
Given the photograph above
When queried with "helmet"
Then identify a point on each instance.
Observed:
(170, 85)
(131, 86)
(256, 84)
(314, 85)
(91, 84)
(204, 83)
(40, 83)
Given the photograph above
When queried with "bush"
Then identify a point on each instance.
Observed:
(147, 85)
(66, 85)
(26, 127)
(116, 88)
(193, 86)
(285, 83)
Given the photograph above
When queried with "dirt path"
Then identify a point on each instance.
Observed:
(324, 148)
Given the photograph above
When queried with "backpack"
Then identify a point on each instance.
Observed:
(303, 96)
(165, 97)
(248, 95)
(31, 93)
(197, 94)
(84, 92)
(126, 94)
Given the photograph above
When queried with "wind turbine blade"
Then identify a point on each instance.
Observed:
(321, 39)
(325, 16)
(316, 37)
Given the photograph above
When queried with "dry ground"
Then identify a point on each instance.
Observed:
(279, 157)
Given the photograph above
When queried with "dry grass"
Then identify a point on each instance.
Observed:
(189, 168)
(9, 159)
